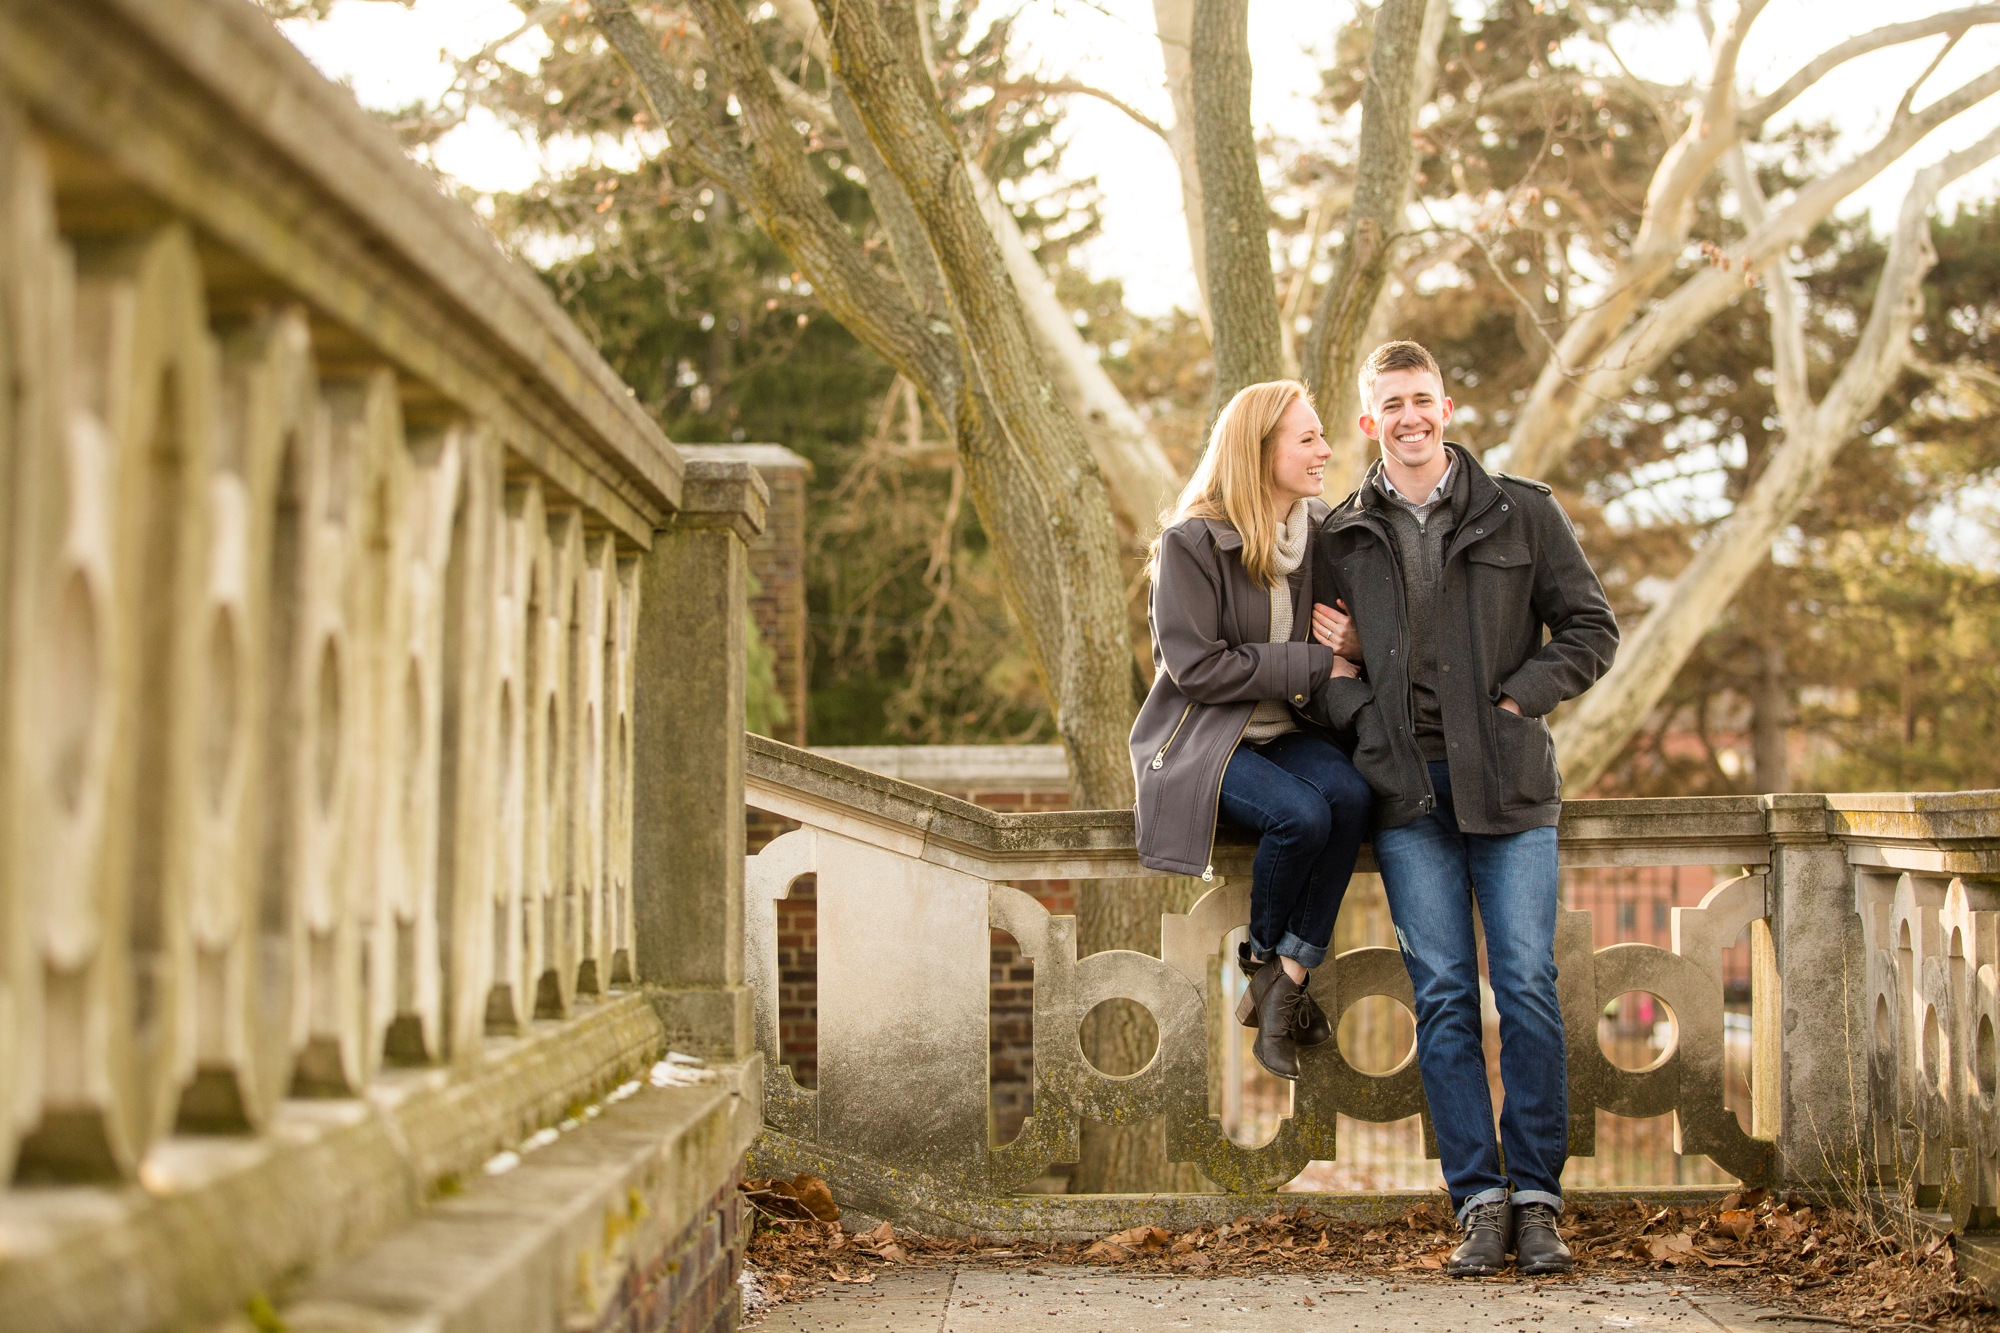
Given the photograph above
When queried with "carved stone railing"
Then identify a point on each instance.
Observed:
(1926, 877)
(909, 883)
(370, 689)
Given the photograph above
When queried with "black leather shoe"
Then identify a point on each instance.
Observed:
(1538, 1246)
(1313, 1027)
(1483, 1252)
(1278, 1001)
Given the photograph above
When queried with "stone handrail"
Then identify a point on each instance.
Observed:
(909, 882)
(343, 588)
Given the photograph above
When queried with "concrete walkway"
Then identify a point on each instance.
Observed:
(1083, 1300)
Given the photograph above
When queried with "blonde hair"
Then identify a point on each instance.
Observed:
(1233, 480)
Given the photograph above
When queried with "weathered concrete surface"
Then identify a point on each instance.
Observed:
(576, 1234)
(217, 1217)
(687, 828)
(1817, 935)
(817, 788)
(989, 1300)
(208, 110)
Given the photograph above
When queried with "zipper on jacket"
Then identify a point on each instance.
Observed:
(1208, 871)
(1161, 757)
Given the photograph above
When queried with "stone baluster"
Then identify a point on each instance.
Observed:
(46, 754)
(687, 820)
(1817, 941)
(618, 850)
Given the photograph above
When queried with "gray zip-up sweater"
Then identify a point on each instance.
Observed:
(1213, 662)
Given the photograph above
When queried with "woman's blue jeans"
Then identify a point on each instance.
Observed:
(1311, 806)
(1432, 873)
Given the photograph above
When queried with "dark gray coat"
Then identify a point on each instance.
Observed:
(1512, 569)
(1212, 662)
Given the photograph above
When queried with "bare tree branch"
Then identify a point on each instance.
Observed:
(1385, 159)
(1758, 114)
(1021, 89)
(1570, 392)
(1597, 727)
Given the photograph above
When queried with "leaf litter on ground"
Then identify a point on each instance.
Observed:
(1832, 1264)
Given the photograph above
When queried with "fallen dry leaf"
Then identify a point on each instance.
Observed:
(1143, 1238)
(1675, 1249)
(1736, 1222)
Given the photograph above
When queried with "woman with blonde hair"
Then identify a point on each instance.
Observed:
(1237, 647)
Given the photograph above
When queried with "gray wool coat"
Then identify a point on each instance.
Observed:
(1212, 663)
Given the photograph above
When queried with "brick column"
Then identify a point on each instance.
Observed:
(687, 818)
(777, 563)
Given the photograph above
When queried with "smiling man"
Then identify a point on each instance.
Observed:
(1473, 613)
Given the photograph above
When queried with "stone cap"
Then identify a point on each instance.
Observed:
(763, 457)
(313, 133)
(1003, 767)
(821, 790)
(718, 494)
(1941, 832)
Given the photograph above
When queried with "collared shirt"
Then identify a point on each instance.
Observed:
(1439, 493)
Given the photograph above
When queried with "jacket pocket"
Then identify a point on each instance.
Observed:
(1374, 757)
(1501, 555)
(1525, 754)
(1160, 757)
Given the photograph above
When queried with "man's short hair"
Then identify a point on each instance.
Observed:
(1400, 355)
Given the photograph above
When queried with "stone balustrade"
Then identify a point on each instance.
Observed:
(343, 589)
(909, 883)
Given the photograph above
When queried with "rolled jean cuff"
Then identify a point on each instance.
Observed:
(1308, 956)
(1498, 1194)
(1519, 1197)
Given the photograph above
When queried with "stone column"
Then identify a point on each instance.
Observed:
(1822, 1081)
(687, 817)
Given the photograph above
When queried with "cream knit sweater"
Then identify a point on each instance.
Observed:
(1273, 717)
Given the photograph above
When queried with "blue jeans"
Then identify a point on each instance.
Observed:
(1311, 806)
(1432, 872)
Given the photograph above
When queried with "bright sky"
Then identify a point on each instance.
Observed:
(391, 56)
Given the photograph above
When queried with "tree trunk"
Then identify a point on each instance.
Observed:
(1596, 728)
(1033, 480)
(1385, 161)
(1770, 719)
(1141, 480)
(1173, 20)
(1242, 292)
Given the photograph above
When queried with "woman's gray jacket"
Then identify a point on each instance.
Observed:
(1212, 662)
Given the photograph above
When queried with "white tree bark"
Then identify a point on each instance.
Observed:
(1136, 469)
(1625, 335)
(1593, 732)
(1173, 21)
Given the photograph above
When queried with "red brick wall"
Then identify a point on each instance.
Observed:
(777, 558)
(777, 561)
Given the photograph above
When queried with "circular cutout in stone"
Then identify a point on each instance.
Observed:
(1122, 1032)
(1637, 1032)
(1377, 1035)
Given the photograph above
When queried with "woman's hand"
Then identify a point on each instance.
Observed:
(1335, 628)
(1344, 669)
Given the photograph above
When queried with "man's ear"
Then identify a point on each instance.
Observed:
(1371, 427)
(1444, 418)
